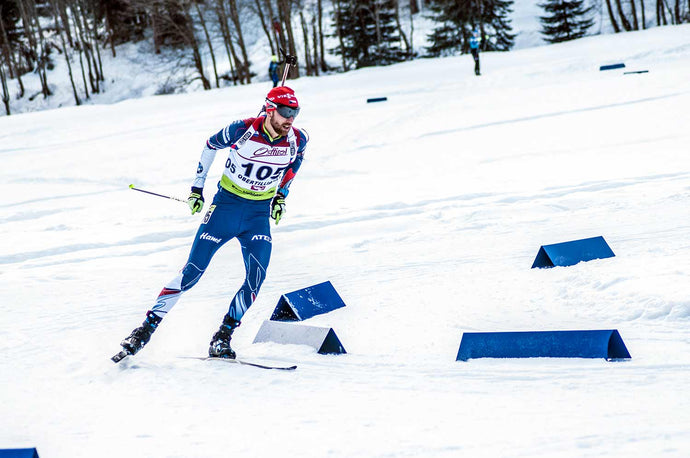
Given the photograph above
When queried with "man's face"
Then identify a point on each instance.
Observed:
(280, 124)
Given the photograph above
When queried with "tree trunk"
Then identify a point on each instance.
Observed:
(305, 34)
(278, 30)
(235, 18)
(412, 26)
(265, 26)
(154, 14)
(400, 29)
(624, 20)
(92, 40)
(5, 90)
(634, 15)
(227, 41)
(322, 49)
(644, 19)
(315, 41)
(286, 18)
(10, 59)
(80, 43)
(190, 39)
(660, 13)
(337, 6)
(43, 58)
(64, 50)
(208, 40)
(109, 27)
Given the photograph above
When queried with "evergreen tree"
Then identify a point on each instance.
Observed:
(367, 32)
(565, 20)
(453, 17)
(457, 19)
(495, 25)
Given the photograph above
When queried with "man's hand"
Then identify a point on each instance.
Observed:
(196, 200)
(277, 207)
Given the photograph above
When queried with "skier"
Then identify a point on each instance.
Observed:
(475, 41)
(264, 155)
(273, 70)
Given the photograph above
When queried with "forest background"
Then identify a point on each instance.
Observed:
(54, 46)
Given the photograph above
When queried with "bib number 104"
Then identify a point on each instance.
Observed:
(262, 173)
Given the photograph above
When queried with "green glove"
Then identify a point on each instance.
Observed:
(196, 200)
(277, 207)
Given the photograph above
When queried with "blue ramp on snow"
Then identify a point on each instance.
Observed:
(323, 340)
(307, 302)
(570, 253)
(606, 344)
(19, 453)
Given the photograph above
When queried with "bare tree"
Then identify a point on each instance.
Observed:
(265, 26)
(322, 49)
(227, 40)
(60, 32)
(624, 21)
(10, 60)
(305, 37)
(408, 48)
(208, 40)
(235, 18)
(285, 14)
(5, 90)
(612, 17)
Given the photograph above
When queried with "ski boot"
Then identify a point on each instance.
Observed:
(141, 335)
(220, 342)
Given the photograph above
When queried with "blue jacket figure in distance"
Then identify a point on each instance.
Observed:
(475, 41)
(273, 70)
(264, 154)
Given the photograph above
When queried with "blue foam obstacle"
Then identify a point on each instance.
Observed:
(19, 453)
(570, 253)
(611, 67)
(307, 302)
(377, 99)
(543, 344)
(323, 340)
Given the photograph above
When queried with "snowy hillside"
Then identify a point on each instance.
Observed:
(138, 72)
(425, 212)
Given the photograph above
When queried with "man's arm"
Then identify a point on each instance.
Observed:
(222, 139)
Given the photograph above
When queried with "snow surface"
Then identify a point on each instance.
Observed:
(425, 212)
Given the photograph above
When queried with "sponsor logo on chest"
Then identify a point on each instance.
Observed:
(257, 152)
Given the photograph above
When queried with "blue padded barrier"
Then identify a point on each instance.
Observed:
(323, 340)
(19, 453)
(307, 302)
(606, 344)
(611, 67)
(570, 253)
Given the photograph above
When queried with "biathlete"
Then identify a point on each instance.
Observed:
(264, 155)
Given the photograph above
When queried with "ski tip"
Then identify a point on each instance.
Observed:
(120, 356)
(131, 186)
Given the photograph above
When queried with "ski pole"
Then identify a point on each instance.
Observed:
(289, 60)
(131, 186)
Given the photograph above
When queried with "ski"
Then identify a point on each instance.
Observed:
(120, 356)
(242, 362)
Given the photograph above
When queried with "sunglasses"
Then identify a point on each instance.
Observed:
(287, 112)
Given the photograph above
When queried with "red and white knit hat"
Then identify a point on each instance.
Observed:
(281, 95)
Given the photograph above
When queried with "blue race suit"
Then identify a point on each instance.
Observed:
(257, 167)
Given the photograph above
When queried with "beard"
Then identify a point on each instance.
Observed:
(280, 127)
